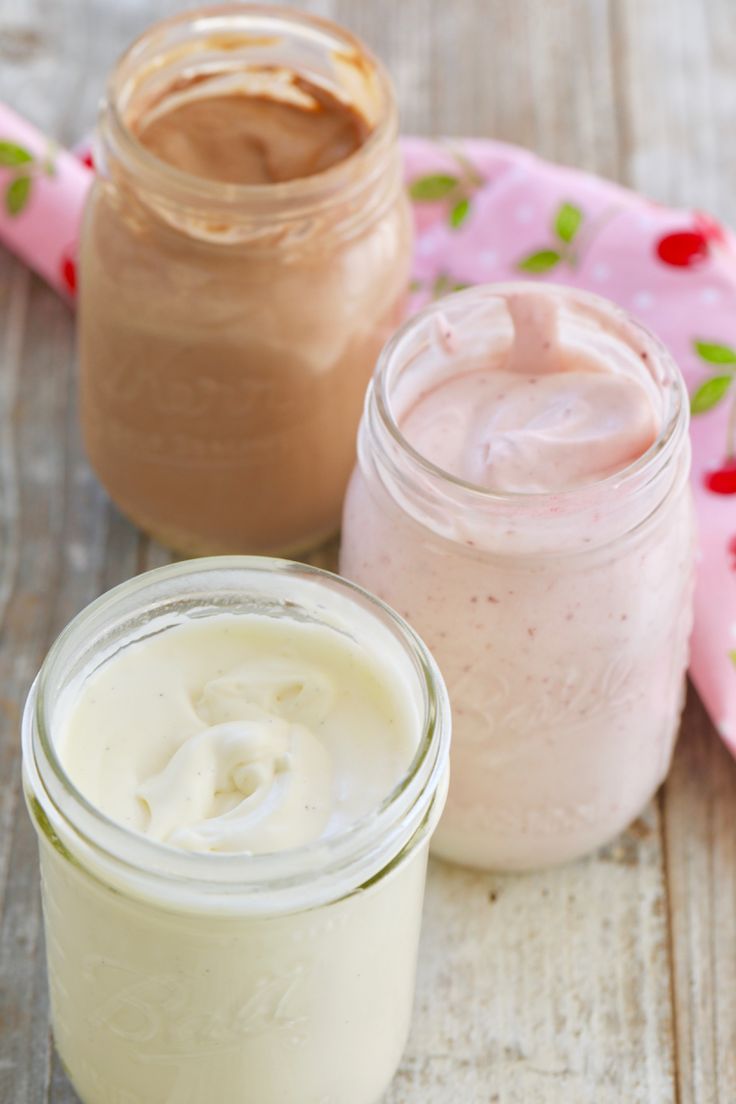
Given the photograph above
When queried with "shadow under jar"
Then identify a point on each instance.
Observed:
(245, 254)
(281, 977)
(559, 617)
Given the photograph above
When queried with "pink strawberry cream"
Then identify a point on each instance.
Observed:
(521, 497)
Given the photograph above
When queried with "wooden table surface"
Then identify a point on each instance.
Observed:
(612, 981)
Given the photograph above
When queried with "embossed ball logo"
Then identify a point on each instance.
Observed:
(163, 1016)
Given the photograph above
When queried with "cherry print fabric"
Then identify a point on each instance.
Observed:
(485, 212)
(42, 193)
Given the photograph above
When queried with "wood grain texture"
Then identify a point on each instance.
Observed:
(610, 981)
(699, 801)
(551, 988)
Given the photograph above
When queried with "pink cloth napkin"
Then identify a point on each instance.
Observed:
(488, 212)
(42, 194)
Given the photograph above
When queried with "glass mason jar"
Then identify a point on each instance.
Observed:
(560, 621)
(285, 978)
(228, 331)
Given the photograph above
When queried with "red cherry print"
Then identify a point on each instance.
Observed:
(711, 230)
(86, 159)
(683, 249)
(731, 549)
(722, 480)
(69, 274)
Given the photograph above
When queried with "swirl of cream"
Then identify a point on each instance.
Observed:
(547, 415)
(253, 780)
(277, 685)
(548, 433)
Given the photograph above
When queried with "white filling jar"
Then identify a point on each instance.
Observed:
(560, 620)
(286, 977)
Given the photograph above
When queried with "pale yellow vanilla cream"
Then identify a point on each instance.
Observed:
(242, 738)
(238, 734)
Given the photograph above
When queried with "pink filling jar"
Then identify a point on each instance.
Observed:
(559, 617)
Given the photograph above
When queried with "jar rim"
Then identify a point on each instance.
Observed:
(316, 190)
(305, 876)
(674, 422)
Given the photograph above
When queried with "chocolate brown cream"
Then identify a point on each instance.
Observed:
(222, 380)
(238, 138)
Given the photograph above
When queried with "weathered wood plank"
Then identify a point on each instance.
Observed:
(699, 802)
(14, 304)
(676, 91)
(65, 561)
(22, 985)
(549, 987)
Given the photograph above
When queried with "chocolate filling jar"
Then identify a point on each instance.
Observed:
(244, 257)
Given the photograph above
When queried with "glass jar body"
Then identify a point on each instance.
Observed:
(566, 674)
(220, 413)
(560, 619)
(227, 333)
(150, 1004)
(286, 976)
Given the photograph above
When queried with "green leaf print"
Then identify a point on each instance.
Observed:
(715, 354)
(710, 393)
(459, 212)
(17, 194)
(542, 261)
(12, 154)
(443, 284)
(567, 222)
(429, 188)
